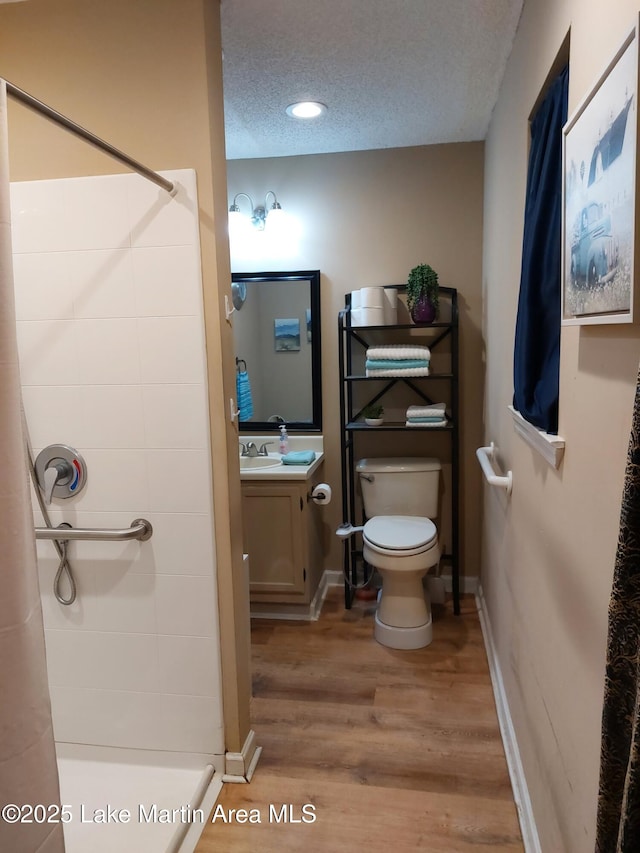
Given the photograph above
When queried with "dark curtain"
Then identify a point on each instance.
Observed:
(537, 343)
(618, 822)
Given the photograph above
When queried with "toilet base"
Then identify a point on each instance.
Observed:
(403, 638)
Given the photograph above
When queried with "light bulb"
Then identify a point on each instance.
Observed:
(276, 220)
(239, 225)
(306, 109)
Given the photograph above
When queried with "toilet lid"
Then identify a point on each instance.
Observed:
(400, 532)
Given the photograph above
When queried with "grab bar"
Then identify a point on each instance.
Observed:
(140, 529)
(486, 457)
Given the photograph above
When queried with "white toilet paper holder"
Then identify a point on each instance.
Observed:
(320, 494)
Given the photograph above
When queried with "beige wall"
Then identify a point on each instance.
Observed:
(366, 219)
(548, 552)
(146, 76)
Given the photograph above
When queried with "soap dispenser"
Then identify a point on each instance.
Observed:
(284, 440)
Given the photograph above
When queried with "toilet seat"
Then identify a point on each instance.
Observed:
(400, 535)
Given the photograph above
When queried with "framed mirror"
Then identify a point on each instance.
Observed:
(276, 333)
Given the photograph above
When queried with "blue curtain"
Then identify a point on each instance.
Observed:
(537, 344)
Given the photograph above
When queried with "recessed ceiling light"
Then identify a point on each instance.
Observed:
(306, 109)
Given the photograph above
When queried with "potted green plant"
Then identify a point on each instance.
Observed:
(373, 415)
(422, 294)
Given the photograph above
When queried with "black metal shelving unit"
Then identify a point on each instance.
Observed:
(437, 336)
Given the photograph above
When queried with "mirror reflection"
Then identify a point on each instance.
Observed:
(276, 329)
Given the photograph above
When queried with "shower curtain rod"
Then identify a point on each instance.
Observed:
(91, 138)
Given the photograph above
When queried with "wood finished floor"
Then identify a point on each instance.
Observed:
(397, 750)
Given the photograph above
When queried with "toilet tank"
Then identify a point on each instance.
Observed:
(400, 486)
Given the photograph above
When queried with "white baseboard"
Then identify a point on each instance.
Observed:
(334, 577)
(514, 763)
(298, 612)
(467, 584)
(241, 765)
(319, 597)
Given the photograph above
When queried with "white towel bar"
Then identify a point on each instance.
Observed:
(486, 458)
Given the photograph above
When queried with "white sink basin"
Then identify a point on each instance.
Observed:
(253, 462)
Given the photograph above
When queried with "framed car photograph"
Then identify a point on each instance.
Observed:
(599, 197)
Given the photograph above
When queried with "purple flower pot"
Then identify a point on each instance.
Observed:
(423, 311)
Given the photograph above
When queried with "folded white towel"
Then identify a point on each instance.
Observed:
(433, 411)
(397, 351)
(414, 371)
(427, 426)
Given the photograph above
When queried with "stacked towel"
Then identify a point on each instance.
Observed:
(397, 360)
(399, 363)
(243, 393)
(396, 351)
(299, 457)
(427, 416)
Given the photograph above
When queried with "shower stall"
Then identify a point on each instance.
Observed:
(111, 346)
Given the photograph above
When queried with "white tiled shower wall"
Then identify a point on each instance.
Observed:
(112, 355)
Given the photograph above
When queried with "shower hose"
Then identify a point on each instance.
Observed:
(59, 544)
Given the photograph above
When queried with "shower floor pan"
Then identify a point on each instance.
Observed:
(135, 796)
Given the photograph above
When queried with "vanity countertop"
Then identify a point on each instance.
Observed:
(278, 471)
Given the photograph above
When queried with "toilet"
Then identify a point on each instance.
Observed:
(400, 540)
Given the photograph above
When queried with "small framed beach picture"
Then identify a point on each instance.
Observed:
(599, 196)
(287, 335)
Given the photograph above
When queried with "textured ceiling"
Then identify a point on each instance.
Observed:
(392, 73)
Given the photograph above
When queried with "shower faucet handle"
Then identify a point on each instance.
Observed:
(60, 471)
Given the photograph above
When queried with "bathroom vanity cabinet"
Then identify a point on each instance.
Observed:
(393, 437)
(282, 535)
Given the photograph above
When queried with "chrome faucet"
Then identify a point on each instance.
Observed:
(250, 449)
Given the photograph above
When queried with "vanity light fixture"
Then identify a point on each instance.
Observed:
(261, 216)
(306, 109)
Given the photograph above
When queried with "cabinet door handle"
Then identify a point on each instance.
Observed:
(301, 504)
